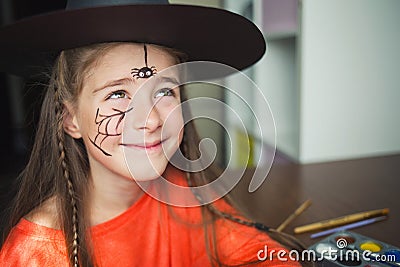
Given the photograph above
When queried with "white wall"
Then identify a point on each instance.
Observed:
(333, 88)
(350, 79)
(276, 75)
(276, 78)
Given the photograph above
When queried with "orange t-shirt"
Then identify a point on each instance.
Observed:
(149, 233)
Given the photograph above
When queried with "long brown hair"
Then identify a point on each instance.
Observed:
(58, 166)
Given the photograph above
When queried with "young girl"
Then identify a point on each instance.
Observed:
(78, 203)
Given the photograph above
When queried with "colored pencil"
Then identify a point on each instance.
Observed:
(296, 213)
(340, 221)
(349, 226)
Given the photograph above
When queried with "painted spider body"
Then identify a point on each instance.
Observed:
(145, 72)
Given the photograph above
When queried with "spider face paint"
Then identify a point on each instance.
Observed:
(104, 129)
(144, 72)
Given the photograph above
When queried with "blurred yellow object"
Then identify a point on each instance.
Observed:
(245, 149)
(371, 246)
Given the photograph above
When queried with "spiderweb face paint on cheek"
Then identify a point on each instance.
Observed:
(104, 121)
(144, 72)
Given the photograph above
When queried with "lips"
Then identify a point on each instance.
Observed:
(148, 146)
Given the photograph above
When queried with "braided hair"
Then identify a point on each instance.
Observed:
(73, 248)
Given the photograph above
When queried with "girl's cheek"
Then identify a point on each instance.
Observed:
(119, 104)
(169, 105)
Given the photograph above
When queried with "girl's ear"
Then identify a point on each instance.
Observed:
(70, 123)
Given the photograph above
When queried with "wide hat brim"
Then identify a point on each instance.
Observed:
(29, 46)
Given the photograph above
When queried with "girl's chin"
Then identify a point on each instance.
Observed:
(146, 175)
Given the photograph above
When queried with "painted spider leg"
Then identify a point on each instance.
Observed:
(153, 70)
(107, 119)
(135, 71)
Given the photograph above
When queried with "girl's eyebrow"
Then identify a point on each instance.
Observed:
(123, 81)
(113, 83)
(166, 79)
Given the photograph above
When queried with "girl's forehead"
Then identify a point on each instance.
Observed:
(119, 61)
(134, 55)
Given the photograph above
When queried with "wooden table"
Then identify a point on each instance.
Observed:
(335, 188)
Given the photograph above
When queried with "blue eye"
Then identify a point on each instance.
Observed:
(165, 92)
(117, 95)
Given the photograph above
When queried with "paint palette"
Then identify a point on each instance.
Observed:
(351, 249)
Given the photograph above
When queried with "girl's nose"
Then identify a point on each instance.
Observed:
(147, 117)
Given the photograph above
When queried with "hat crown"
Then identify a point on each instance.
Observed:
(77, 4)
(29, 47)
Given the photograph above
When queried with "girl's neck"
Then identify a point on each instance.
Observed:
(110, 195)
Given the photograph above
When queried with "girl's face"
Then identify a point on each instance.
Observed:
(111, 103)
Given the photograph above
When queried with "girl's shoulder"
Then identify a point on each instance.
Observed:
(34, 239)
(31, 244)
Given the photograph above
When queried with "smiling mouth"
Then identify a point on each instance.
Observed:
(153, 146)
